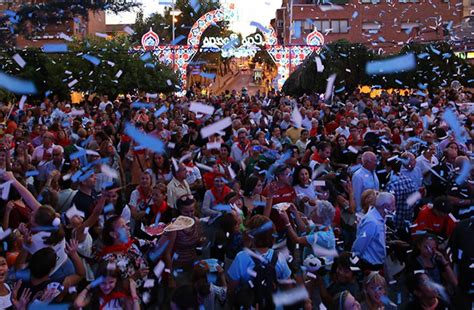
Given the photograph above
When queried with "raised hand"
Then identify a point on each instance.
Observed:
(22, 302)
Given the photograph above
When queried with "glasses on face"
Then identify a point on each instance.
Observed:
(186, 197)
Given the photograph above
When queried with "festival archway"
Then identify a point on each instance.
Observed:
(286, 58)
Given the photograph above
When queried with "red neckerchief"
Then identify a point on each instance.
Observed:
(220, 162)
(317, 158)
(108, 298)
(159, 209)
(190, 164)
(220, 198)
(117, 247)
(143, 197)
(243, 149)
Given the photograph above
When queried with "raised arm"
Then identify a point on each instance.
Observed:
(27, 196)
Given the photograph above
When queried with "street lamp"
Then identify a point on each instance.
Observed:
(174, 13)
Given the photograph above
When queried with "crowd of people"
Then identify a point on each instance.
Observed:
(299, 203)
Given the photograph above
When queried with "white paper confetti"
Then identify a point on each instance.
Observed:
(21, 104)
(72, 83)
(159, 269)
(73, 211)
(5, 188)
(197, 107)
(290, 297)
(129, 30)
(319, 64)
(296, 117)
(4, 234)
(330, 86)
(101, 35)
(413, 198)
(109, 171)
(216, 127)
(213, 145)
(19, 60)
(64, 36)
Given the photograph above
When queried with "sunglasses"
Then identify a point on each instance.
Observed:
(186, 199)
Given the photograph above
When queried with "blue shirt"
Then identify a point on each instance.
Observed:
(370, 241)
(242, 263)
(325, 239)
(362, 180)
(414, 175)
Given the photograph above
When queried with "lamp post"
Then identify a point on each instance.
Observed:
(174, 13)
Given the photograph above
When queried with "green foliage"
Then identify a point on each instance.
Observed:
(53, 72)
(437, 67)
(30, 19)
(345, 59)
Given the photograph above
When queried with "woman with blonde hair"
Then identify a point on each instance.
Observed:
(375, 290)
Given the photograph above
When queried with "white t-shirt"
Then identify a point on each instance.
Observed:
(114, 304)
(37, 243)
(103, 105)
(6, 301)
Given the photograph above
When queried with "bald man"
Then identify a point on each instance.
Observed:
(365, 178)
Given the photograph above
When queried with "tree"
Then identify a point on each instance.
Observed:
(345, 59)
(437, 66)
(30, 19)
(53, 72)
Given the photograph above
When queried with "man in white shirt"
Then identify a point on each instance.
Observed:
(286, 122)
(104, 103)
(44, 151)
(240, 149)
(426, 161)
(343, 129)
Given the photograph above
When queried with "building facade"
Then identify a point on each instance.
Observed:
(384, 25)
(78, 27)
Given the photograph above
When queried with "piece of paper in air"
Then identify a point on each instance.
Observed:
(330, 86)
(197, 107)
(216, 127)
(19, 60)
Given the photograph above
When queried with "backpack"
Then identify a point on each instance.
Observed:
(265, 282)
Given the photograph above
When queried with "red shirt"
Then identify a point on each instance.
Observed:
(331, 126)
(351, 141)
(284, 194)
(396, 139)
(428, 220)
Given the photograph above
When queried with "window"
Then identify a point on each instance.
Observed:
(410, 28)
(279, 23)
(406, 26)
(308, 25)
(370, 1)
(325, 26)
(296, 33)
(334, 26)
(317, 25)
(371, 27)
(408, 1)
(339, 26)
